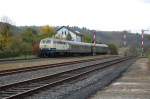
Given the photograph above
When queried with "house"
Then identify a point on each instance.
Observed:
(67, 33)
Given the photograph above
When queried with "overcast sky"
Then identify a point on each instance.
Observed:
(108, 15)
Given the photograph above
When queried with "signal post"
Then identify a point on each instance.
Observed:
(94, 43)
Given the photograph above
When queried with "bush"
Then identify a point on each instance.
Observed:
(10, 50)
(5, 54)
(113, 49)
(25, 48)
(16, 48)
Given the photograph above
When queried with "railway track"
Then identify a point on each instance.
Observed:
(23, 88)
(25, 69)
(3, 61)
(15, 60)
(33, 58)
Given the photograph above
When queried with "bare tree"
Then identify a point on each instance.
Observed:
(6, 19)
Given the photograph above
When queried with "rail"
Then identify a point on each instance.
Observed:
(20, 89)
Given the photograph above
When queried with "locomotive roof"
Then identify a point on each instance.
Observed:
(76, 43)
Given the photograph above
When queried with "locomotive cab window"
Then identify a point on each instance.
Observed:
(48, 41)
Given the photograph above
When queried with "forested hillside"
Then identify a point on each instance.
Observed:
(16, 40)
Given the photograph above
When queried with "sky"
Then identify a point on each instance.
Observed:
(106, 15)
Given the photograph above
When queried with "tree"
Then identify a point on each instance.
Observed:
(6, 19)
(113, 49)
(69, 37)
(14, 46)
(47, 31)
(29, 36)
(5, 33)
(87, 39)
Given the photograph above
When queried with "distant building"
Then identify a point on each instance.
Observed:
(64, 31)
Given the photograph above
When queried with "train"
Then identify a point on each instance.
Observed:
(50, 47)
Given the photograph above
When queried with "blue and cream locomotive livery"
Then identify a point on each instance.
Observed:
(52, 47)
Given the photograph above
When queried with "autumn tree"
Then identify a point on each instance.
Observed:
(47, 31)
(29, 38)
(5, 33)
(29, 35)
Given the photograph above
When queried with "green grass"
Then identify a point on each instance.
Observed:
(18, 57)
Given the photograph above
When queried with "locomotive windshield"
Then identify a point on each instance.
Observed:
(48, 41)
(43, 41)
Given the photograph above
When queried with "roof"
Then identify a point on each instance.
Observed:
(72, 30)
(76, 43)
